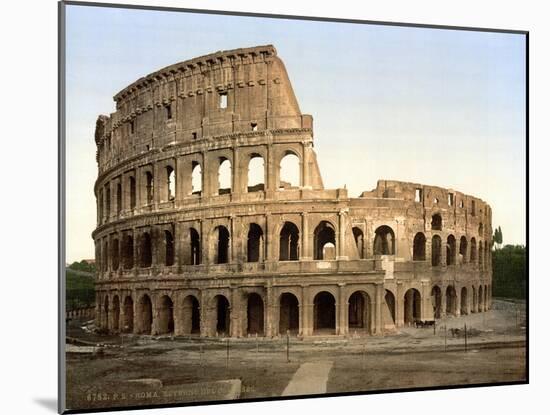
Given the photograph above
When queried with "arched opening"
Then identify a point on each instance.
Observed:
(145, 313)
(359, 311)
(106, 313)
(359, 242)
(436, 250)
(480, 299)
(473, 306)
(149, 187)
(169, 248)
(384, 241)
(223, 318)
(196, 179)
(473, 250)
(222, 245)
(128, 315)
(451, 250)
(289, 171)
(128, 252)
(195, 247)
(419, 247)
(463, 249)
(191, 315)
(436, 301)
(289, 314)
(390, 303)
(450, 295)
(480, 229)
(255, 243)
(324, 312)
(132, 182)
(224, 176)
(412, 309)
(114, 254)
(108, 200)
(437, 222)
(464, 301)
(256, 173)
(166, 316)
(115, 319)
(170, 183)
(118, 198)
(323, 238)
(106, 256)
(288, 242)
(255, 314)
(146, 250)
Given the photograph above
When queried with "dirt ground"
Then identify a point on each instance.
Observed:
(141, 370)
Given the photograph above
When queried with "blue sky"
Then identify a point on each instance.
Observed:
(439, 107)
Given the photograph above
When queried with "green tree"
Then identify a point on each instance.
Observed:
(510, 271)
(497, 238)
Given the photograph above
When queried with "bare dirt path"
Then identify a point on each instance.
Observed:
(310, 378)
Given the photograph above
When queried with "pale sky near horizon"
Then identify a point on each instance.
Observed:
(438, 107)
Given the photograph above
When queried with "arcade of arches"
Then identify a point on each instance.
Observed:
(340, 310)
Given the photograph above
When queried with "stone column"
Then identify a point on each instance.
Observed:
(306, 246)
(443, 312)
(235, 313)
(378, 302)
(340, 246)
(204, 311)
(232, 241)
(306, 326)
(342, 327)
(269, 311)
(399, 305)
(306, 174)
(427, 312)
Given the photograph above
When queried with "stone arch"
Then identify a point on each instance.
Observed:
(255, 314)
(189, 317)
(128, 323)
(196, 178)
(437, 222)
(473, 250)
(413, 306)
(195, 241)
(145, 315)
(146, 250)
(436, 301)
(359, 311)
(115, 318)
(464, 301)
(323, 237)
(384, 241)
(224, 176)
(255, 243)
(419, 247)
(324, 312)
(256, 173)
(289, 171)
(289, 242)
(106, 313)
(168, 248)
(389, 299)
(451, 299)
(170, 183)
(165, 315)
(149, 187)
(463, 249)
(289, 313)
(115, 259)
(222, 315)
(359, 238)
(221, 244)
(436, 250)
(128, 252)
(451, 250)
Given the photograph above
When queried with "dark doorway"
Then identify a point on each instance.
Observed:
(255, 314)
(289, 316)
(324, 312)
(288, 247)
(222, 315)
(412, 306)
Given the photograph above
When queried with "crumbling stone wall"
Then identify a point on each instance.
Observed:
(263, 259)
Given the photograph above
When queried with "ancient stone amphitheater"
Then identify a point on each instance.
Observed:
(178, 252)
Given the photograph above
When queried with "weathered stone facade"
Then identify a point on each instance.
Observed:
(180, 256)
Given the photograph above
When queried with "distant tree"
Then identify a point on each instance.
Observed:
(497, 238)
(510, 271)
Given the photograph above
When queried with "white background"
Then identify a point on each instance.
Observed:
(28, 301)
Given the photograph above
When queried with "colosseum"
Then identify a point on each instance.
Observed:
(181, 253)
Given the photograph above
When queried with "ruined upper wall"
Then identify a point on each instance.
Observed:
(226, 92)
